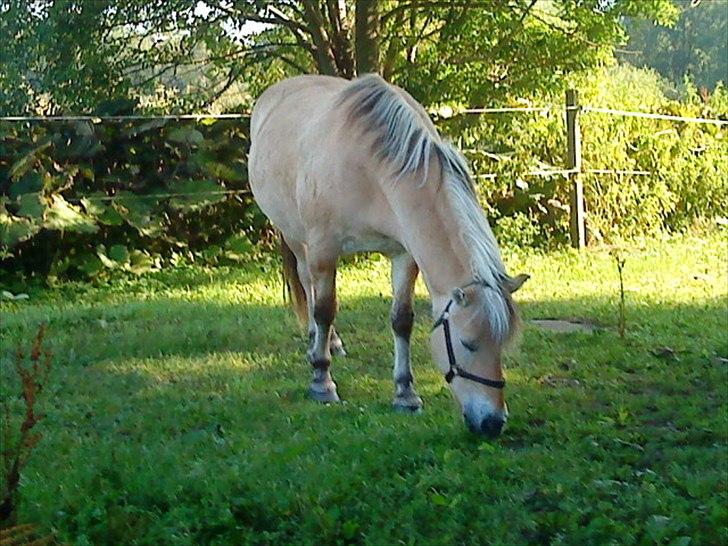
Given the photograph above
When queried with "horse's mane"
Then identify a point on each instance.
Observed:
(407, 141)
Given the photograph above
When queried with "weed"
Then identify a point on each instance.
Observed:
(620, 260)
(15, 454)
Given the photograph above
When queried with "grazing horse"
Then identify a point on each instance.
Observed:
(341, 167)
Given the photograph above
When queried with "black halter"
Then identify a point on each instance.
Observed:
(454, 370)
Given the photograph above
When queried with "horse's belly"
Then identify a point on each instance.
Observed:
(371, 242)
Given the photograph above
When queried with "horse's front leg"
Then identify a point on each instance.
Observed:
(404, 275)
(323, 279)
(337, 345)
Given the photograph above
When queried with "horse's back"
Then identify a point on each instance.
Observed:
(305, 93)
(312, 167)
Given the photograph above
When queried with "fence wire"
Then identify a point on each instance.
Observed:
(158, 195)
(98, 119)
(477, 111)
(648, 115)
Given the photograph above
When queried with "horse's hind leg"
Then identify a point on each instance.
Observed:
(404, 275)
(323, 280)
(337, 344)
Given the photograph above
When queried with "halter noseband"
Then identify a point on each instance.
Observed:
(456, 370)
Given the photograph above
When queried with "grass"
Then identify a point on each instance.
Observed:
(176, 413)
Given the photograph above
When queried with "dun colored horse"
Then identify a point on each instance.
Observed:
(341, 167)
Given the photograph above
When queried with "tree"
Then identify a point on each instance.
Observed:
(696, 46)
(469, 51)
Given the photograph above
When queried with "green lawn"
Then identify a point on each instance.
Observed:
(176, 413)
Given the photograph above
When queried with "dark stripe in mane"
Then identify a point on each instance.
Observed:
(406, 139)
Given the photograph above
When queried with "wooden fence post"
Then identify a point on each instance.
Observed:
(573, 163)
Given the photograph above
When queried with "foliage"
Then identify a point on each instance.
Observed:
(18, 446)
(180, 414)
(688, 162)
(65, 56)
(486, 56)
(81, 198)
(694, 46)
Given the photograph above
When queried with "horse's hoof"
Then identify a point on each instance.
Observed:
(408, 404)
(323, 395)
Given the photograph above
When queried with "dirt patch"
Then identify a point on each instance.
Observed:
(564, 326)
(559, 381)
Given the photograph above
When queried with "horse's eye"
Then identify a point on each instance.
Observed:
(469, 346)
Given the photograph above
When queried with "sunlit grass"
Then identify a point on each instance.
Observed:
(176, 412)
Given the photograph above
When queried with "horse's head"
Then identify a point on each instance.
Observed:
(469, 353)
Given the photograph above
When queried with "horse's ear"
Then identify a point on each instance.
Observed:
(460, 297)
(514, 283)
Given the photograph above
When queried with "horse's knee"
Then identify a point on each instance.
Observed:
(324, 309)
(403, 318)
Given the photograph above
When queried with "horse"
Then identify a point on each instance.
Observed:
(346, 166)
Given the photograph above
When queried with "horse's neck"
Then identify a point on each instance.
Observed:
(430, 230)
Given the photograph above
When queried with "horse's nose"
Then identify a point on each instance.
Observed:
(489, 426)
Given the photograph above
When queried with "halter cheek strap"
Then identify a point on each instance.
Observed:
(456, 370)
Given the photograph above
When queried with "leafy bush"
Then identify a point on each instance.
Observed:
(81, 198)
(17, 446)
(688, 161)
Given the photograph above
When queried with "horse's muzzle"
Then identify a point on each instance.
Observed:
(489, 426)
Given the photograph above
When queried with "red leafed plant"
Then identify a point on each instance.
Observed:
(15, 449)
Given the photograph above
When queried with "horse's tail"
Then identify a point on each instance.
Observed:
(293, 282)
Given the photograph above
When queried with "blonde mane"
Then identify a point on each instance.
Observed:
(406, 141)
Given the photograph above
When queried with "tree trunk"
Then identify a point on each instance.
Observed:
(322, 46)
(367, 36)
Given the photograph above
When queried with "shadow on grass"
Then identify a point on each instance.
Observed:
(160, 328)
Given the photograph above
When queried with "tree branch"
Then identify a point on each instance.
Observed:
(231, 79)
(393, 48)
(323, 53)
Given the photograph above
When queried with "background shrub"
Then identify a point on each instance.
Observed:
(82, 198)
(688, 162)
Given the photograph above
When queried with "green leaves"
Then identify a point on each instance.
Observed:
(438, 499)
(118, 257)
(135, 208)
(35, 212)
(155, 185)
(23, 164)
(31, 206)
(239, 248)
(14, 230)
(239, 244)
(139, 262)
(119, 254)
(29, 183)
(186, 135)
(63, 216)
(223, 172)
